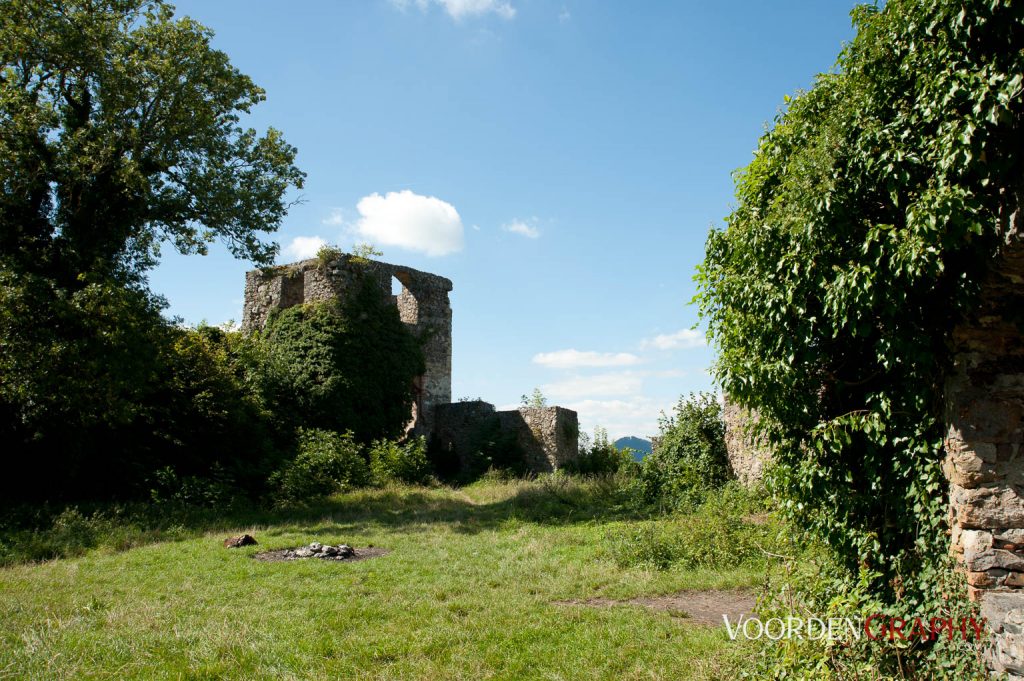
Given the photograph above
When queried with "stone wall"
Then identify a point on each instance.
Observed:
(547, 437)
(457, 427)
(985, 420)
(747, 457)
(423, 306)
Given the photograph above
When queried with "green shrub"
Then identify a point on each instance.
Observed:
(214, 490)
(98, 393)
(210, 430)
(729, 528)
(819, 586)
(601, 457)
(392, 461)
(690, 458)
(327, 462)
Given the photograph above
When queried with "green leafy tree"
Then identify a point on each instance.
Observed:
(119, 130)
(534, 400)
(75, 371)
(862, 229)
(600, 456)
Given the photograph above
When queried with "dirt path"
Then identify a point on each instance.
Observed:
(699, 607)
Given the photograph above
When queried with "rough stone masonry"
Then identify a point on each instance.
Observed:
(547, 437)
(747, 455)
(423, 306)
(984, 453)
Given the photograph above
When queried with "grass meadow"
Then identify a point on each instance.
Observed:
(470, 589)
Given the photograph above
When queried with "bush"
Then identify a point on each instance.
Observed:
(212, 491)
(821, 586)
(205, 424)
(690, 457)
(601, 457)
(392, 461)
(74, 369)
(327, 462)
(728, 529)
(98, 393)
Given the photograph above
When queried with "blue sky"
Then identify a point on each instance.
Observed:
(560, 162)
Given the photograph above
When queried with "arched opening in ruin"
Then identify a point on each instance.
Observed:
(408, 306)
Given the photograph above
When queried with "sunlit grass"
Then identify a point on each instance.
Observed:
(466, 592)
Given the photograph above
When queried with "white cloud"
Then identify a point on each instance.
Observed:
(335, 219)
(671, 373)
(468, 8)
(518, 226)
(303, 247)
(631, 416)
(461, 9)
(600, 385)
(684, 338)
(570, 359)
(408, 220)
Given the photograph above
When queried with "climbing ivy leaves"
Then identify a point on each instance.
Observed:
(863, 225)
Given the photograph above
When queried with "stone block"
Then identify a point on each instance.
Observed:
(980, 579)
(987, 507)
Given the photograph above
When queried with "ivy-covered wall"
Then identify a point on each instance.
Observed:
(423, 306)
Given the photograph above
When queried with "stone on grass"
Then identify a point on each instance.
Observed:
(240, 541)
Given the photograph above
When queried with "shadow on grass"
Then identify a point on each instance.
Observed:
(43, 534)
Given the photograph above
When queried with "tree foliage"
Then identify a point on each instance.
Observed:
(119, 129)
(98, 393)
(862, 229)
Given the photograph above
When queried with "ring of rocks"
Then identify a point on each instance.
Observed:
(340, 552)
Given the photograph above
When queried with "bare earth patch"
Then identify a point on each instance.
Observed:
(699, 607)
(282, 555)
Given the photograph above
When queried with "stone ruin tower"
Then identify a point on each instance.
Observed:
(423, 306)
(547, 437)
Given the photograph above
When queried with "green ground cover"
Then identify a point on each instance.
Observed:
(468, 591)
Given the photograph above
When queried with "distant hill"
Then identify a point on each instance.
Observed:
(641, 446)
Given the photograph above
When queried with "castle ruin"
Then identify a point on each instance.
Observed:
(423, 305)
